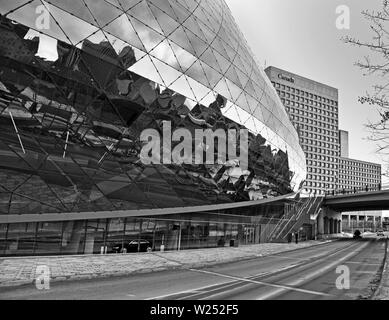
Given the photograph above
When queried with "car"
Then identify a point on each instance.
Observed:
(132, 246)
(380, 233)
(357, 235)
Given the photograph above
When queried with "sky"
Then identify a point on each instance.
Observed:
(301, 36)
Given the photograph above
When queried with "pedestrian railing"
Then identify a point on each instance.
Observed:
(292, 217)
(367, 188)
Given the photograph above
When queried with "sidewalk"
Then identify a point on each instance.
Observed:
(22, 270)
(382, 292)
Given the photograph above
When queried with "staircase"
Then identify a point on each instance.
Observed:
(305, 210)
(286, 219)
(316, 209)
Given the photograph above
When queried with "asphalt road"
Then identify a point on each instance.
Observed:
(303, 274)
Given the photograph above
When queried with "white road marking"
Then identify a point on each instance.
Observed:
(230, 284)
(279, 270)
(261, 283)
(309, 276)
(238, 279)
(188, 291)
(365, 272)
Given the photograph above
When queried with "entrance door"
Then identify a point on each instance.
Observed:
(249, 235)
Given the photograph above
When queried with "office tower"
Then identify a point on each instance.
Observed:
(313, 110)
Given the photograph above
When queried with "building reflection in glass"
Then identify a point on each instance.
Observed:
(74, 100)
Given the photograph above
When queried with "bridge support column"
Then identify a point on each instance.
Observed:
(325, 225)
(329, 222)
(320, 225)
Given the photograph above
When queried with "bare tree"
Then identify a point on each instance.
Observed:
(377, 64)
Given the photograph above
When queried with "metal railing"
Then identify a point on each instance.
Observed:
(355, 190)
(314, 203)
(308, 208)
(294, 219)
(289, 218)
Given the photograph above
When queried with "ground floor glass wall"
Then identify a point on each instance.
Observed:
(120, 234)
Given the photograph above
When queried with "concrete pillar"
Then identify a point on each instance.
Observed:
(331, 223)
(257, 233)
(320, 224)
(89, 243)
(326, 225)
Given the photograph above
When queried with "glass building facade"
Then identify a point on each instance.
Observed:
(80, 80)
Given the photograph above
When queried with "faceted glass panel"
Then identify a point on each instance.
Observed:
(75, 99)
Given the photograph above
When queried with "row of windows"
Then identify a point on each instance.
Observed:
(320, 174)
(323, 185)
(314, 191)
(329, 147)
(305, 107)
(311, 115)
(359, 165)
(352, 182)
(326, 133)
(344, 184)
(372, 174)
(322, 164)
(321, 171)
(303, 100)
(320, 157)
(320, 151)
(359, 178)
(358, 171)
(321, 178)
(315, 123)
(306, 94)
(318, 137)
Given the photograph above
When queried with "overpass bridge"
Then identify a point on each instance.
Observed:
(363, 199)
(329, 216)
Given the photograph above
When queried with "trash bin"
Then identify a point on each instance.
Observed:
(234, 243)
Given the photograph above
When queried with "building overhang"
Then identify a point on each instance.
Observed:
(76, 216)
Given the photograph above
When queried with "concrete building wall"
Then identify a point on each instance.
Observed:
(359, 175)
(362, 220)
(344, 145)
